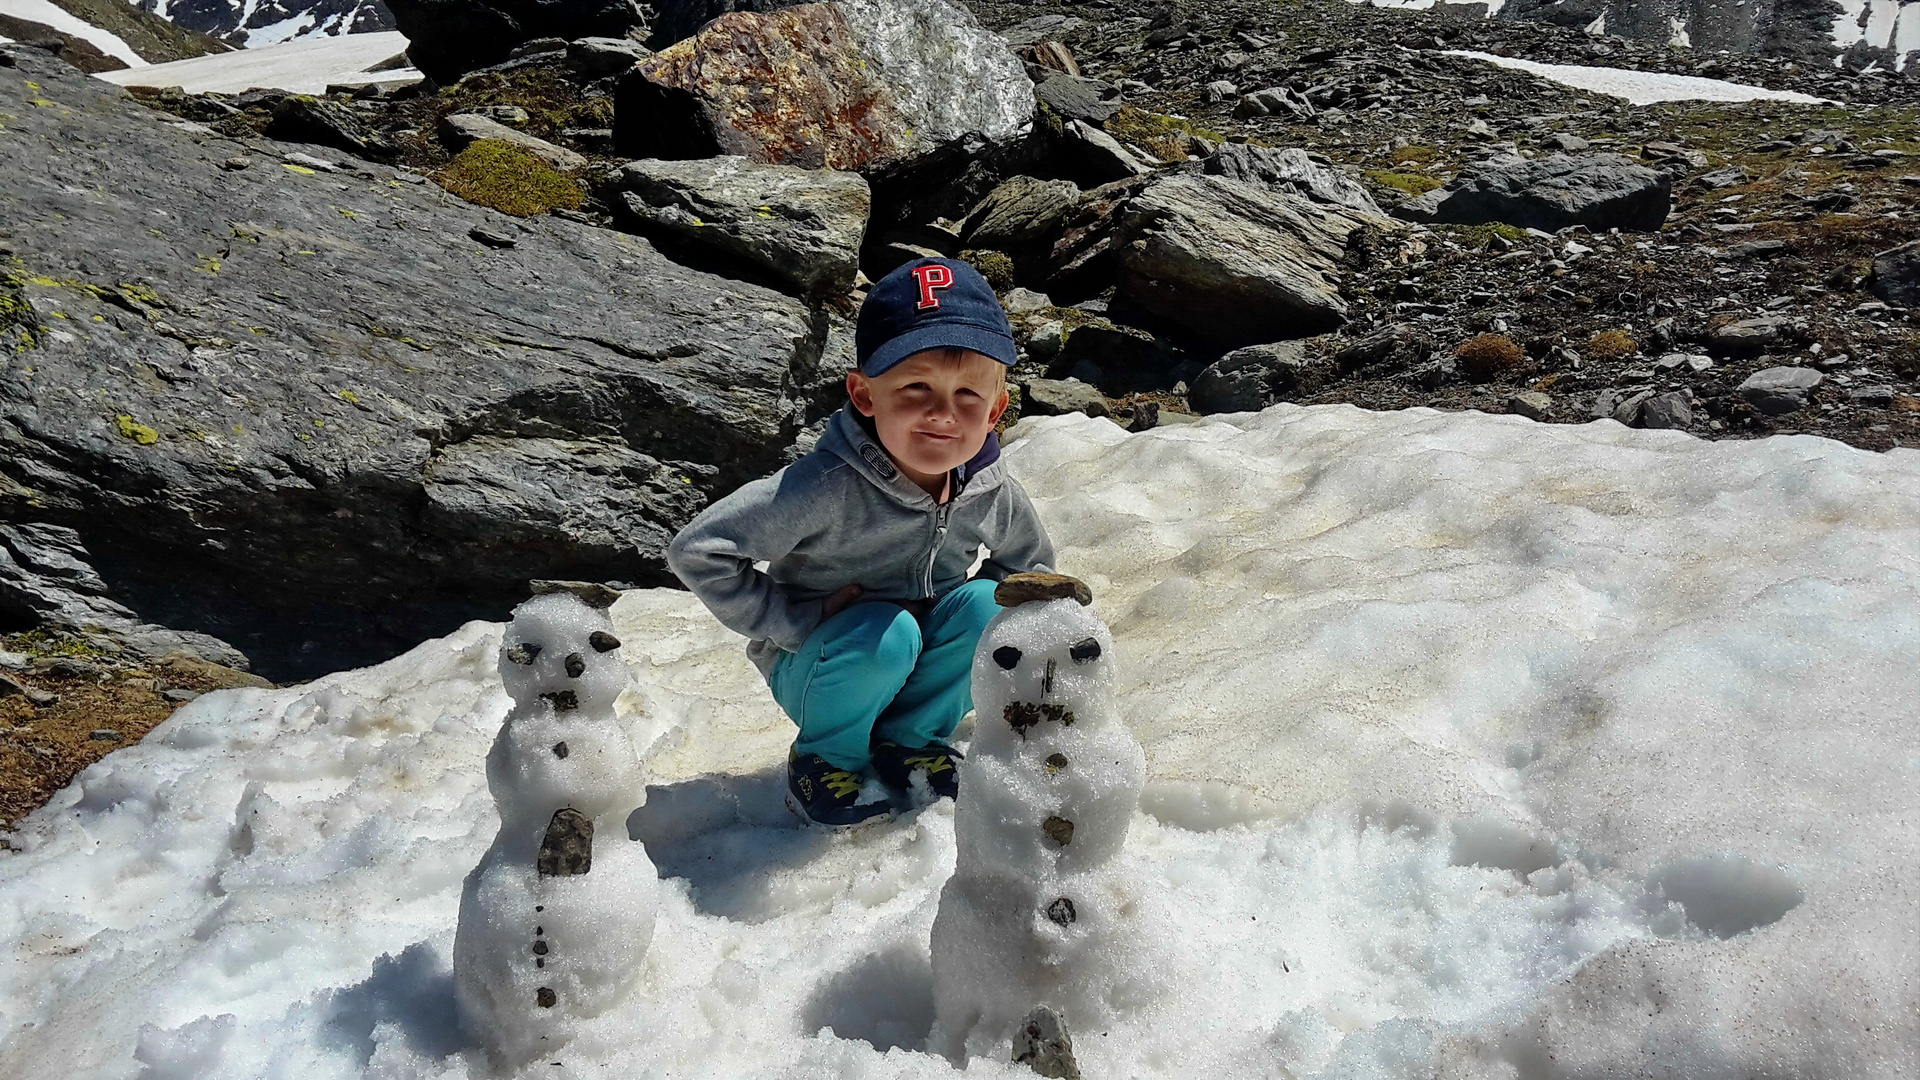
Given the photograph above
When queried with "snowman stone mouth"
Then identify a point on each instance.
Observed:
(1021, 715)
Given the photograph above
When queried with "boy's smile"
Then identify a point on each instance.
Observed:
(932, 411)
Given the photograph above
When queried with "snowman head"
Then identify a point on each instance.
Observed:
(1041, 665)
(558, 656)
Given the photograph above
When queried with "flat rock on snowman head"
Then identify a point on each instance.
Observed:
(554, 657)
(1047, 659)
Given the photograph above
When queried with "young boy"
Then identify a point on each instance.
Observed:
(864, 622)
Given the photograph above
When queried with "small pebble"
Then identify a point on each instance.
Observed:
(236, 163)
(105, 735)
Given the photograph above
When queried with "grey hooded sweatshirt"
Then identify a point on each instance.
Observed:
(845, 515)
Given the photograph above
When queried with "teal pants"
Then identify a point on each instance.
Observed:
(874, 673)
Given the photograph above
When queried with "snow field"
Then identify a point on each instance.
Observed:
(306, 66)
(1473, 746)
(1642, 87)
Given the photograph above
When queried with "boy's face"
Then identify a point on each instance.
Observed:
(933, 410)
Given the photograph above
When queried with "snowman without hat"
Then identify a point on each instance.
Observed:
(556, 917)
(1037, 919)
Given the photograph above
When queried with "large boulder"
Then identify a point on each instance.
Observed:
(1291, 171)
(1249, 379)
(273, 406)
(803, 226)
(1233, 262)
(857, 84)
(1896, 275)
(47, 580)
(448, 38)
(1599, 191)
(1021, 217)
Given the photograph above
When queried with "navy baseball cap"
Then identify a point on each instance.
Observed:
(931, 304)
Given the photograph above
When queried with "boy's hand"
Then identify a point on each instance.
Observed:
(840, 600)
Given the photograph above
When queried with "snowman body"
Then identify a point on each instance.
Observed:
(1037, 911)
(557, 916)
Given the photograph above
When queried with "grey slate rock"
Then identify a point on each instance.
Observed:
(1531, 404)
(1041, 28)
(1249, 379)
(1669, 410)
(1233, 262)
(493, 238)
(1020, 217)
(1076, 97)
(459, 130)
(1731, 176)
(597, 57)
(1628, 410)
(1896, 275)
(1599, 191)
(803, 226)
(1274, 101)
(1877, 396)
(290, 483)
(1056, 397)
(1778, 390)
(1290, 171)
(1020, 301)
(1752, 335)
(300, 118)
(1098, 156)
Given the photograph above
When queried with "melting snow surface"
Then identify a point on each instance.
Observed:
(49, 14)
(1474, 746)
(1641, 87)
(303, 67)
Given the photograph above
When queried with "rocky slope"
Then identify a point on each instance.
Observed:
(285, 389)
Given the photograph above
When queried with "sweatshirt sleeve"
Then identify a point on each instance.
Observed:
(1023, 545)
(714, 556)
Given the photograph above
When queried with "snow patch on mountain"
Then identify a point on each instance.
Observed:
(51, 15)
(304, 66)
(1642, 87)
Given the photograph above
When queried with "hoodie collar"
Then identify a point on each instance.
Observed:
(852, 437)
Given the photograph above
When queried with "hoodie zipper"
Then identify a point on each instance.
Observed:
(939, 537)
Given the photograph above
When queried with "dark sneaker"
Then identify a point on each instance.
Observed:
(896, 765)
(824, 794)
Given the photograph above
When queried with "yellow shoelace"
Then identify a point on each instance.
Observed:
(841, 782)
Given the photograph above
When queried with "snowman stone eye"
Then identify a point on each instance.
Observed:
(1007, 657)
(1084, 650)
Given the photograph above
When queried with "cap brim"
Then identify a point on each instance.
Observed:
(941, 336)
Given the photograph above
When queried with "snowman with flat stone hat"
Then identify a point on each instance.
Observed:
(556, 917)
(1036, 913)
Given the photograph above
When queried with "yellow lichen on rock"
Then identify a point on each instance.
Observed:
(506, 178)
(133, 429)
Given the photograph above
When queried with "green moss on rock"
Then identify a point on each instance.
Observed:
(995, 266)
(1411, 183)
(1165, 137)
(506, 178)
